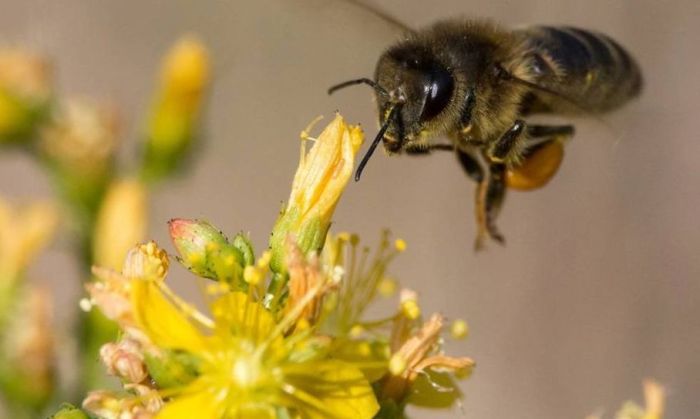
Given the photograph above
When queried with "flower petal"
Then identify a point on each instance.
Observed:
(340, 388)
(199, 404)
(166, 325)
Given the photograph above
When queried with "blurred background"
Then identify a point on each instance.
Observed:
(598, 285)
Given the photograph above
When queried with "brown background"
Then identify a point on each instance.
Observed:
(599, 284)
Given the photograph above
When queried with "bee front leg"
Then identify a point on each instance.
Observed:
(423, 150)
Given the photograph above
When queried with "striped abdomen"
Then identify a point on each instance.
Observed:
(588, 68)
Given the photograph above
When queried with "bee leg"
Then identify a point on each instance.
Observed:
(508, 142)
(490, 192)
(424, 150)
(471, 165)
(546, 131)
(543, 154)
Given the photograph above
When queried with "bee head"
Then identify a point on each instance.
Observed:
(412, 93)
(424, 88)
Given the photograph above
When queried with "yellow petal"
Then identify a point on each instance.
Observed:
(166, 325)
(198, 404)
(325, 170)
(243, 317)
(337, 390)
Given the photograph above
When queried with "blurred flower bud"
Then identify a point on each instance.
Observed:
(142, 402)
(28, 369)
(319, 182)
(25, 92)
(174, 119)
(23, 232)
(206, 252)
(121, 223)
(146, 261)
(124, 360)
(79, 146)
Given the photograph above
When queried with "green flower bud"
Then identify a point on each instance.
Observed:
(68, 411)
(206, 252)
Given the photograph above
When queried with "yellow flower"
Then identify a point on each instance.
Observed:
(249, 362)
(112, 291)
(23, 232)
(418, 354)
(320, 179)
(177, 105)
(121, 222)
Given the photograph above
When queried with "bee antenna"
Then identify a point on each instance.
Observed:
(380, 135)
(377, 88)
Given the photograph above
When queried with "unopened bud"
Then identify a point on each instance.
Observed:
(206, 252)
(124, 360)
(146, 261)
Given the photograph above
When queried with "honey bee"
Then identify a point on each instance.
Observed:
(474, 83)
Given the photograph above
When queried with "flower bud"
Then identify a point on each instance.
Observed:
(79, 146)
(206, 252)
(121, 223)
(24, 231)
(177, 105)
(25, 93)
(320, 179)
(146, 261)
(124, 360)
(29, 352)
(68, 411)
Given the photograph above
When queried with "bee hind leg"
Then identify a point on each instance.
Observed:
(490, 193)
(541, 158)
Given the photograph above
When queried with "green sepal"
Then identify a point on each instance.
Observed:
(172, 368)
(68, 411)
(243, 244)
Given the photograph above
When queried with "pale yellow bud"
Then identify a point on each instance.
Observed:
(23, 232)
(121, 223)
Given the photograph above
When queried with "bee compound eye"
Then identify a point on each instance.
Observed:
(438, 93)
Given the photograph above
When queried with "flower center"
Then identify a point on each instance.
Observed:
(245, 372)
